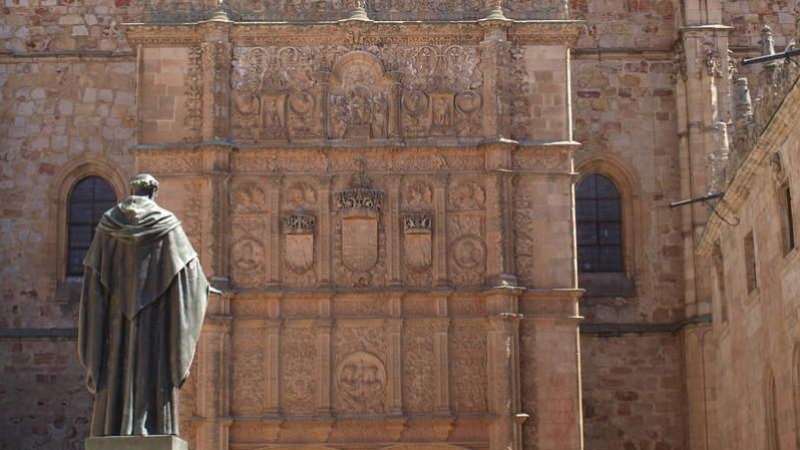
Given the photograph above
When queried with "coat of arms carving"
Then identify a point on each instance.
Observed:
(360, 207)
(299, 239)
(417, 241)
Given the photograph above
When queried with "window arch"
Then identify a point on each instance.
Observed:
(60, 191)
(598, 215)
(88, 200)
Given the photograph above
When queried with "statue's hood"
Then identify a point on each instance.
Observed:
(137, 220)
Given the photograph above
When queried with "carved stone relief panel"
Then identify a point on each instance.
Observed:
(468, 365)
(524, 229)
(418, 366)
(359, 235)
(440, 91)
(249, 386)
(359, 370)
(359, 307)
(417, 249)
(248, 203)
(275, 95)
(294, 307)
(466, 249)
(299, 230)
(361, 98)
(467, 306)
(466, 195)
(417, 195)
(248, 252)
(300, 196)
(298, 368)
(192, 212)
(248, 198)
(357, 92)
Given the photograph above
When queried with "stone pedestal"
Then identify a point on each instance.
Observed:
(168, 442)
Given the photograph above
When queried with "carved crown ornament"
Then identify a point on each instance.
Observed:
(360, 196)
(299, 224)
(361, 34)
(417, 223)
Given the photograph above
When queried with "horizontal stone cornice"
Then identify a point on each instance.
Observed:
(527, 32)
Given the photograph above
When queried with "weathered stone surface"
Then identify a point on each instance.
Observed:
(266, 128)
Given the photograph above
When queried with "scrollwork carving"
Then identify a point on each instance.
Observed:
(193, 121)
(418, 366)
(468, 359)
(298, 380)
(299, 224)
(360, 198)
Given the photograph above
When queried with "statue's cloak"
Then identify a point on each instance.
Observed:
(142, 306)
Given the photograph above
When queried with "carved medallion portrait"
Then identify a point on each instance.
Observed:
(469, 253)
(417, 195)
(300, 196)
(361, 382)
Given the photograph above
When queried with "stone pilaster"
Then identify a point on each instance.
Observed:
(214, 383)
(441, 400)
(324, 368)
(499, 251)
(704, 84)
(216, 163)
(493, 48)
(271, 368)
(393, 230)
(323, 238)
(394, 367)
(273, 261)
(503, 378)
(440, 231)
(699, 350)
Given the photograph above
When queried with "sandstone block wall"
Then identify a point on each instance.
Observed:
(43, 400)
(633, 396)
(757, 330)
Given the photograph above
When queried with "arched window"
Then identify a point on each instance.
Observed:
(89, 199)
(599, 225)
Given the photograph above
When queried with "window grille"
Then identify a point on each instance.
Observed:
(599, 225)
(89, 199)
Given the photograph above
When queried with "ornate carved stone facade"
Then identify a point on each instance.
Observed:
(384, 191)
(364, 178)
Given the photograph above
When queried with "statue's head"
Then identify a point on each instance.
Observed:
(144, 185)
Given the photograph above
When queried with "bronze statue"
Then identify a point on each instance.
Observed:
(142, 307)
